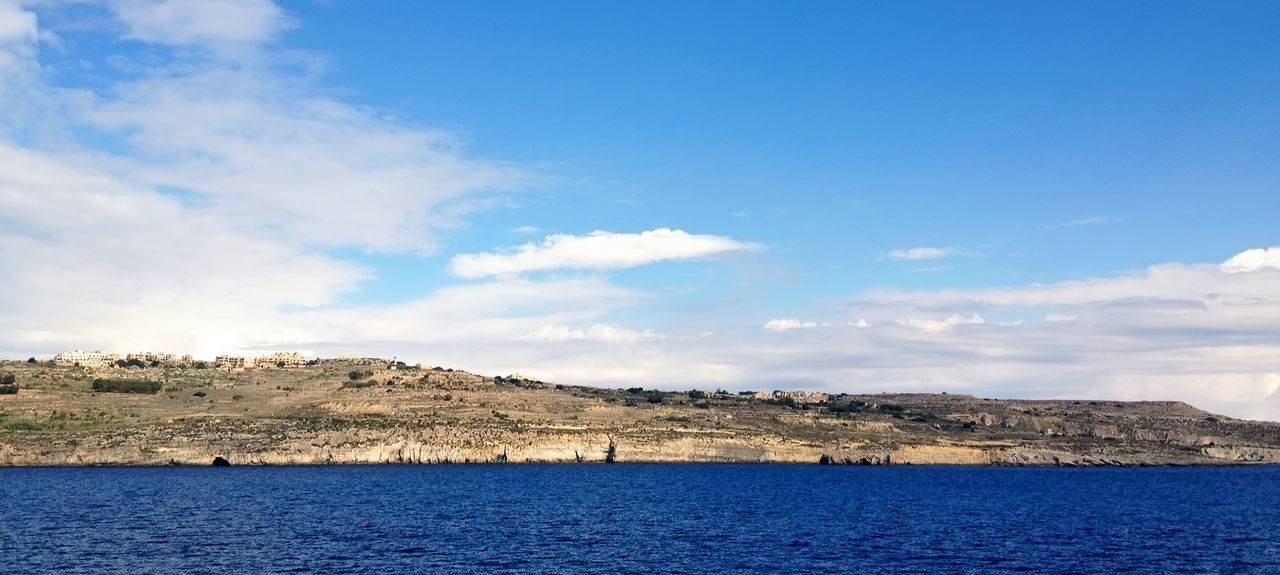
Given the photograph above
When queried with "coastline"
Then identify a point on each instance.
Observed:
(323, 414)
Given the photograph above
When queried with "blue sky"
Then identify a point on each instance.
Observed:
(848, 130)
(1004, 198)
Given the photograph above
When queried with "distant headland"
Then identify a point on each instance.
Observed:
(99, 408)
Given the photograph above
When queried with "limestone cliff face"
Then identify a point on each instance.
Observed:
(380, 447)
(368, 446)
(1244, 454)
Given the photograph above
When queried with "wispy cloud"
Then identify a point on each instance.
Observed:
(788, 324)
(215, 184)
(928, 269)
(926, 253)
(216, 24)
(599, 251)
(525, 230)
(596, 333)
(1092, 221)
(935, 325)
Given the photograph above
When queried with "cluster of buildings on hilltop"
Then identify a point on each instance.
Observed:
(105, 359)
(797, 396)
(102, 358)
(278, 359)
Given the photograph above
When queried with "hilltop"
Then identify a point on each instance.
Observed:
(376, 411)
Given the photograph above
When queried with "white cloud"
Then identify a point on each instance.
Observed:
(17, 26)
(269, 155)
(66, 228)
(787, 324)
(937, 325)
(597, 251)
(921, 253)
(1253, 260)
(19, 35)
(210, 23)
(597, 332)
(208, 216)
(525, 230)
(1165, 287)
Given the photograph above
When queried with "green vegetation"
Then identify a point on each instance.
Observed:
(851, 406)
(58, 420)
(783, 401)
(650, 395)
(20, 425)
(358, 383)
(126, 386)
(8, 384)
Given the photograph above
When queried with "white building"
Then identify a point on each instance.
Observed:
(281, 359)
(234, 362)
(278, 359)
(86, 358)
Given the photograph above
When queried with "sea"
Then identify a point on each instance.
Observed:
(639, 518)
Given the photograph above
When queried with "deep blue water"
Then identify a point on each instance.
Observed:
(639, 519)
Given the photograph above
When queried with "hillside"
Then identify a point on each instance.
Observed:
(373, 411)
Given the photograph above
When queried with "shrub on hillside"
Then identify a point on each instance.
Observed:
(8, 384)
(852, 406)
(655, 396)
(126, 386)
